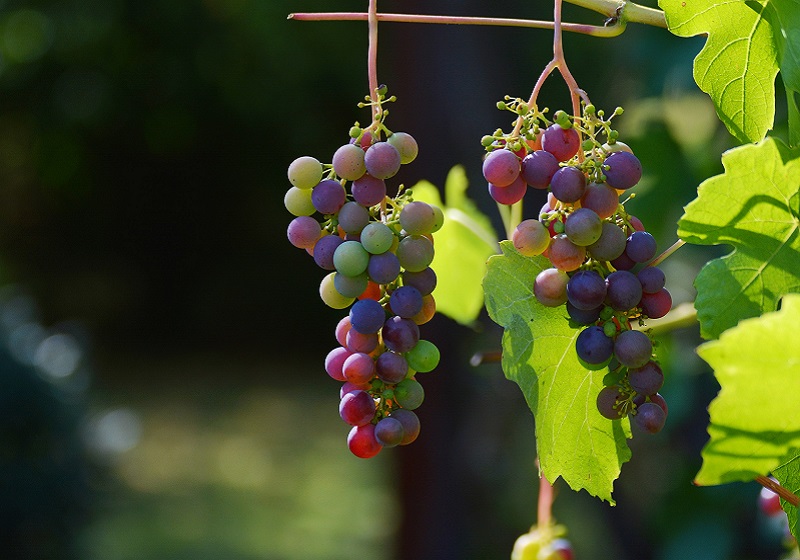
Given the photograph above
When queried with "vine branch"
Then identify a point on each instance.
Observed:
(787, 495)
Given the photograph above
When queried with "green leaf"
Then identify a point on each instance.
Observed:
(738, 63)
(753, 206)
(785, 18)
(754, 420)
(788, 474)
(573, 440)
(463, 244)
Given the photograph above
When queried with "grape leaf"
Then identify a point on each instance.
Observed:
(753, 206)
(462, 245)
(785, 18)
(738, 63)
(754, 421)
(573, 440)
(788, 474)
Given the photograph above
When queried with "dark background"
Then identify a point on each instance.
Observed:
(165, 396)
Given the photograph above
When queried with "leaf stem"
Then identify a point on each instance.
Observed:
(787, 495)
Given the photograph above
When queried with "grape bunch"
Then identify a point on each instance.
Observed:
(546, 542)
(378, 250)
(598, 251)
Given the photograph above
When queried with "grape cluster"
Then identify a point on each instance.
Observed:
(598, 251)
(378, 250)
(545, 542)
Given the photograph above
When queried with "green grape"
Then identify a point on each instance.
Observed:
(377, 238)
(424, 357)
(298, 202)
(329, 294)
(350, 258)
(305, 172)
(409, 394)
(415, 253)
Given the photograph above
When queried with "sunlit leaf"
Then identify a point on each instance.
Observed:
(788, 474)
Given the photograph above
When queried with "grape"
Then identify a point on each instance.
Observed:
(583, 316)
(424, 280)
(350, 258)
(382, 160)
(568, 184)
(305, 172)
(564, 254)
(424, 357)
(362, 443)
(501, 168)
(624, 290)
(324, 250)
(561, 549)
(563, 143)
(303, 232)
(415, 253)
(438, 221)
(550, 287)
(328, 196)
(359, 368)
(367, 316)
(610, 245)
(383, 268)
(633, 349)
(617, 146)
(641, 246)
(624, 170)
(406, 145)
(530, 238)
(357, 408)
(593, 346)
(538, 168)
(607, 400)
(769, 503)
(636, 224)
(389, 431)
(298, 202)
(348, 162)
(417, 217)
(334, 362)
(511, 194)
(583, 227)
(649, 416)
(409, 394)
(652, 279)
(391, 368)
(348, 387)
(656, 305)
(428, 310)
(623, 262)
(331, 297)
(373, 291)
(342, 328)
(410, 422)
(656, 398)
(586, 289)
(601, 198)
(647, 379)
(368, 191)
(400, 335)
(353, 217)
(377, 237)
(357, 342)
(350, 286)
(406, 301)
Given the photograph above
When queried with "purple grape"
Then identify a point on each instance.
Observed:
(324, 249)
(353, 217)
(348, 162)
(593, 346)
(410, 422)
(357, 342)
(610, 245)
(303, 232)
(415, 252)
(328, 196)
(633, 349)
(601, 198)
(357, 408)
(652, 279)
(368, 191)
(538, 168)
(359, 368)
(623, 262)
(563, 143)
(406, 301)
(583, 227)
(650, 417)
(334, 362)
(568, 184)
(382, 160)
(362, 443)
(424, 280)
(400, 335)
(656, 305)
(646, 380)
(550, 287)
(564, 254)
(417, 217)
(586, 289)
(624, 291)
(607, 400)
(641, 246)
(367, 316)
(501, 168)
(383, 268)
(389, 431)
(510, 194)
(583, 316)
(391, 368)
(624, 170)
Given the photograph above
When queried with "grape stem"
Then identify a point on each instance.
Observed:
(683, 315)
(787, 495)
(674, 247)
(372, 60)
(544, 510)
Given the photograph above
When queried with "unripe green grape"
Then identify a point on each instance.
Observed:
(298, 202)
(406, 145)
(350, 258)
(305, 172)
(409, 394)
(424, 357)
(330, 296)
(439, 219)
(377, 238)
(350, 286)
(415, 253)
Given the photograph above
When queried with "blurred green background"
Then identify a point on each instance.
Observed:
(165, 397)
